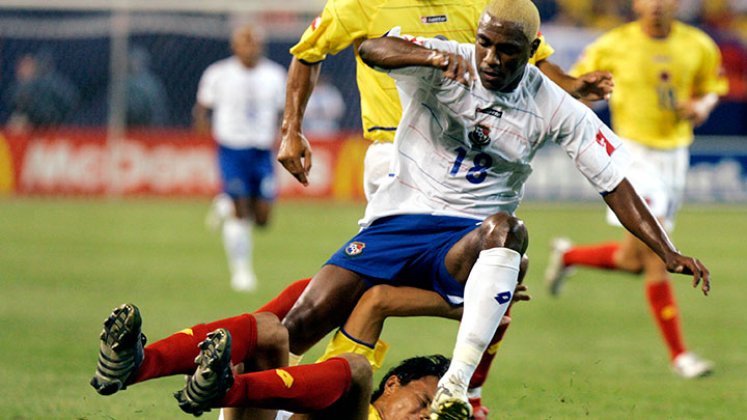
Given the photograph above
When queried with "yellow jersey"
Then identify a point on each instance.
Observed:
(346, 22)
(373, 413)
(652, 76)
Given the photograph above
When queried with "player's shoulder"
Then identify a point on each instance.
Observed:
(356, 7)
(620, 33)
(220, 66)
(691, 34)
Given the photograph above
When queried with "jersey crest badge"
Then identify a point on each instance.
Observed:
(434, 19)
(354, 248)
(480, 136)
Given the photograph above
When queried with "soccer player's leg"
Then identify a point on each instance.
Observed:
(665, 311)
(237, 230)
(281, 304)
(324, 305)
(474, 392)
(488, 260)
(120, 350)
(337, 388)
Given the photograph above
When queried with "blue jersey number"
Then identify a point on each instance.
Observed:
(479, 171)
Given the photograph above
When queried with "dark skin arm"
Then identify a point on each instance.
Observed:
(295, 152)
(590, 87)
(201, 116)
(366, 321)
(394, 53)
(636, 217)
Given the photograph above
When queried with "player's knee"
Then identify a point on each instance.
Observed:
(374, 301)
(361, 372)
(271, 333)
(523, 267)
(502, 230)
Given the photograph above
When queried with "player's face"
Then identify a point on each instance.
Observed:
(407, 402)
(502, 52)
(247, 46)
(656, 12)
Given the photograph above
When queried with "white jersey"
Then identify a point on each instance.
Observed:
(246, 102)
(466, 151)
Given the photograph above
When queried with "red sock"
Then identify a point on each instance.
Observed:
(301, 389)
(282, 303)
(481, 373)
(599, 256)
(176, 353)
(664, 308)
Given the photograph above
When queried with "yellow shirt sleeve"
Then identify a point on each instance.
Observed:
(710, 77)
(340, 24)
(544, 50)
(592, 58)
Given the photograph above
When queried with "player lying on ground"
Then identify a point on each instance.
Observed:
(123, 359)
(444, 218)
(336, 388)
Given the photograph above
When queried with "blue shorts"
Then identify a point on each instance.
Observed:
(247, 172)
(407, 250)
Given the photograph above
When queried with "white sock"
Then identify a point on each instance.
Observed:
(487, 294)
(237, 240)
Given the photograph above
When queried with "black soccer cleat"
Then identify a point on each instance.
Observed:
(213, 376)
(120, 350)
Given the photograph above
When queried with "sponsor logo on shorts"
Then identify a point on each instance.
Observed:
(434, 19)
(354, 248)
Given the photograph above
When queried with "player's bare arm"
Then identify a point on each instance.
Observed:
(201, 117)
(366, 321)
(589, 87)
(698, 108)
(636, 217)
(394, 53)
(295, 152)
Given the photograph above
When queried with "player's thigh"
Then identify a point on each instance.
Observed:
(325, 304)
(500, 230)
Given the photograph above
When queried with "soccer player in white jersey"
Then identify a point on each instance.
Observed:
(245, 94)
(444, 219)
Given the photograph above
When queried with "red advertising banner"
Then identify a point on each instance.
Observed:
(156, 162)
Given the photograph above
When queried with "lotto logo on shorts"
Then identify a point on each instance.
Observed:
(354, 248)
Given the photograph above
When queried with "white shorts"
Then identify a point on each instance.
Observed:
(379, 156)
(659, 176)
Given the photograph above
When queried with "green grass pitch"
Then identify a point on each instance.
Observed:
(594, 352)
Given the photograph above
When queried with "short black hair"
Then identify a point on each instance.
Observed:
(413, 369)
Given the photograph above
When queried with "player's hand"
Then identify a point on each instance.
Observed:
(521, 294)
(454, 66)
(594, 86)
(691, 111)
(295, 155)
(687, 265)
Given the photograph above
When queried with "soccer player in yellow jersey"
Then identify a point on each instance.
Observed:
(348, 22)
(667, 80)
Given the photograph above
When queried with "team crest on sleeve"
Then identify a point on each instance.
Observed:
(354, 248)
(602, 140)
